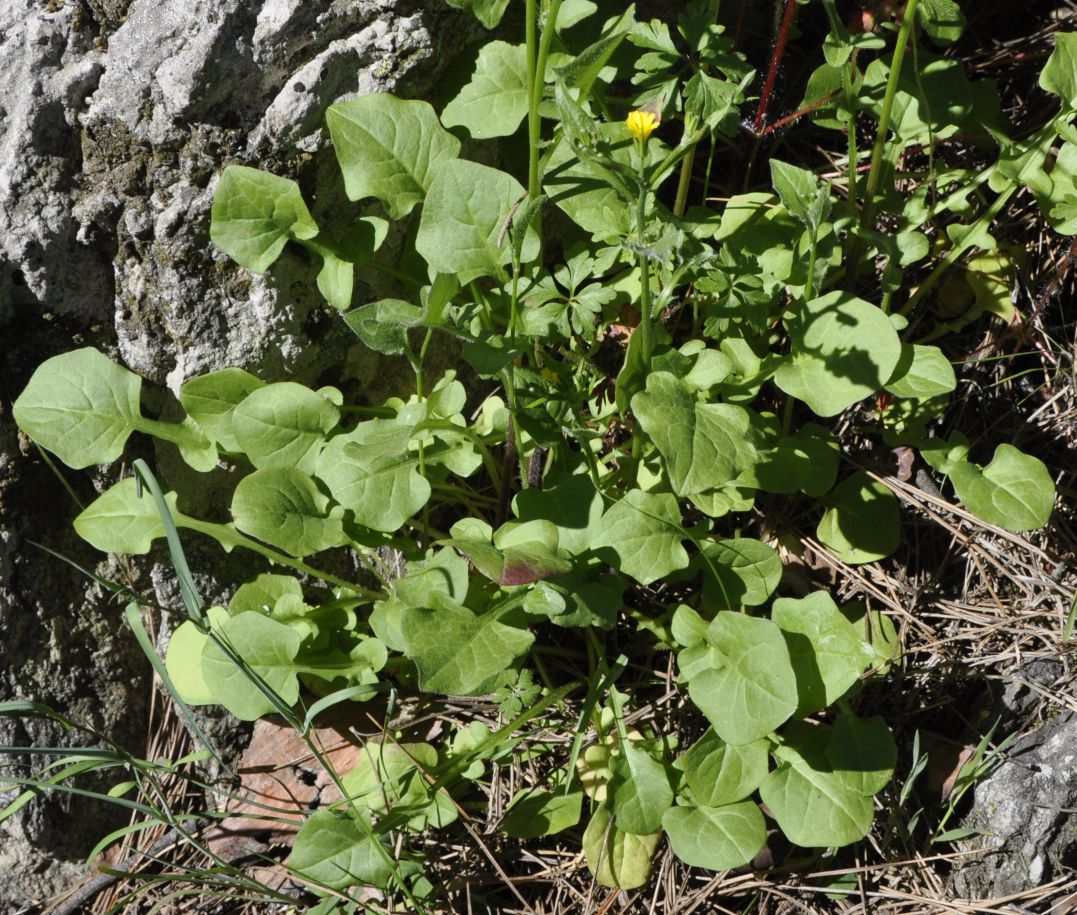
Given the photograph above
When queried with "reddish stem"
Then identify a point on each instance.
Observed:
(740, 23)
(775, 61)
(807, 109)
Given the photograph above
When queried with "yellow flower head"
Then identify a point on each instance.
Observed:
(641, 124)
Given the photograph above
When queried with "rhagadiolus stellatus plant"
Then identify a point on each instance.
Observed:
(659, 374)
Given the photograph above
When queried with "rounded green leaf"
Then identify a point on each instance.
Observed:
(739, 573)
(462, 227)
(1014, 491)
(703, 445)
(755, 690)
(922, 372)
(255, 213)
(211, 399)
(183, 661)
(494, 102)
(81, 406)
(843, 350)
(863, 750)
(373, 474)
(716, 838)
(863, 522)
(718, 773)
(827, 653)
(389, 148)
(815, 805)
(572, 504)
(268, 648)
(121, 521)
(617, 858)
(639, 790)
(283, 507)
(643, 533)
(283, 425)
(535, 813)
(261, 594)
(332, 849)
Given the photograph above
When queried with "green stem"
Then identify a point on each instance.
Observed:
(957, 250)
(536, 83)
(533, 124)
(867, 214)
(645, 332)
(229, 537)
(850, 101)
(683, 182)
(175, 433)
(422, 445)
(809, 287)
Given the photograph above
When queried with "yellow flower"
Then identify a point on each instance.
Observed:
(641, 124)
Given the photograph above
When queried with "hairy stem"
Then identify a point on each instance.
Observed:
(867, 213)
(775, 62)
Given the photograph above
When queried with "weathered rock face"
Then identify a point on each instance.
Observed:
(1024, 809)
(116, 116)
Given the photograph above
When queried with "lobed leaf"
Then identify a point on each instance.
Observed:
(827, 654)
(1015, 491)
(755, 690)
(457, 652)
(389, 148)
(373, 474)
(462, 223)
(495, 101)
(254, 215)
(703, 445)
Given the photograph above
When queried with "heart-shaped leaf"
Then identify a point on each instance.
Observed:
(462, 227)
(1015, 491)
(755, 690)
(389, 148)
(642, 532)
(457, 652)
(703, 445)
(843, 350)
(716, 838)
(255, 214)
(494, 102)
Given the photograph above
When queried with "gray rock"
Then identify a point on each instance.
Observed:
(1026, 808)
(116, 117)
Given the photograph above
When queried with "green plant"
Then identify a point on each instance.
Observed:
(746, 338)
